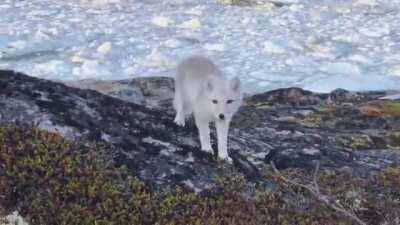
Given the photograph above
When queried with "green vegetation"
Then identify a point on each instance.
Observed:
(49, 180)
(395, 140)
(312, 121)
(381, 108)
(391, 108)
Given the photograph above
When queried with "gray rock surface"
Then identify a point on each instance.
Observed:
(292, 127)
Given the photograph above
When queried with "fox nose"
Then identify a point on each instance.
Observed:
(221, 116)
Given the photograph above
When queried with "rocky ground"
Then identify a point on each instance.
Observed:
(293, 128)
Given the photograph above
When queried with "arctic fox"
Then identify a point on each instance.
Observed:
(202, 89)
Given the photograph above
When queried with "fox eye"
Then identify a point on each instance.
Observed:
(214, 101)
(229, 101)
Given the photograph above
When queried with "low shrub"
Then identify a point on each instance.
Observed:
(50, 180)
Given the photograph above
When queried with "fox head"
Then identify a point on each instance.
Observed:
(223, 97)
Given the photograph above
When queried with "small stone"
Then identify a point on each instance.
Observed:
(311, 151)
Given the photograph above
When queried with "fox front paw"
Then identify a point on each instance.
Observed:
(226, 158)
(208, 150)
(180, 121)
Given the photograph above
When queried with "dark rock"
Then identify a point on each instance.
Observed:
(291, 127)
(153, 92)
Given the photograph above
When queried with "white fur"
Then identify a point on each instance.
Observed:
(198, 85)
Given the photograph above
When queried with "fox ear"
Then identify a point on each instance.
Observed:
(208, 85)
(235, 84)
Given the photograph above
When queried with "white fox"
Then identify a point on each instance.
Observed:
(202, 89)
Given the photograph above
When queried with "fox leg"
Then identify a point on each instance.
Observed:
(222, 136)
(179, 107)
(204, 134)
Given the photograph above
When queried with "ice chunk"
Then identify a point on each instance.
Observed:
(156, 59)
(100, 3)
(18, 44)
(105, 48)
(394, 70)
(273, 48)
(215, 47)
(359, 58)
(353, 83)
(191, 24)
(91, 69)
(351, 37)
(375, 31)
(161, 21)
(49, 68)
(172, 43)
(196, 11)
(365, 3)
(340, 68)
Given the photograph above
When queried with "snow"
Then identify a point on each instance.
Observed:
(313, 44)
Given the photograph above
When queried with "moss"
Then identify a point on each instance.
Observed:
(312, 121)
(380, 108)
(360, 142)
(390, 177)
(395, 140)
(370, 111)
(52, 181)
(327, 109)
(391, 108)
